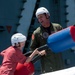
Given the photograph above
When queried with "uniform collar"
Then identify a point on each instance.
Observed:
(51, 28)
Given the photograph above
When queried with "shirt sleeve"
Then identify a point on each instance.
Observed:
(3, 52)
(59, 27)
(34, 42)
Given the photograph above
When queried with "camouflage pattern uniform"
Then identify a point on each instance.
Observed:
(51, 61)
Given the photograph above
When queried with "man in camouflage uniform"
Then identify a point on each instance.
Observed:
(50, 61)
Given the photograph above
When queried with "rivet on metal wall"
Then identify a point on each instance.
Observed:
(19, 16)
(22, 9)
(66, 13)
(18, 24)
(24, 1)
(2, 28)
(15, 32)
(66, 6)
(66, 20)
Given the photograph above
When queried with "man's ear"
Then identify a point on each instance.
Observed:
(47, 16)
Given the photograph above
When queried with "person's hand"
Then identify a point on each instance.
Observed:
(42, 52)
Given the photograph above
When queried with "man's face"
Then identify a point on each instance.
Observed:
(43, 20)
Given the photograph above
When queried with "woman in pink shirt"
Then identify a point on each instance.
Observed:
(13, 54)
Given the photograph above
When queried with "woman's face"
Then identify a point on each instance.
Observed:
(22, 44)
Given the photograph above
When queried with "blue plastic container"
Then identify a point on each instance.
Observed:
(61, 40)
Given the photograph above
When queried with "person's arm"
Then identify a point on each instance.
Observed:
(2, 53)
(35, 52)
(32, 55)
(34, 42)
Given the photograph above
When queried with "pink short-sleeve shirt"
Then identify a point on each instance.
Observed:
(11, 56)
